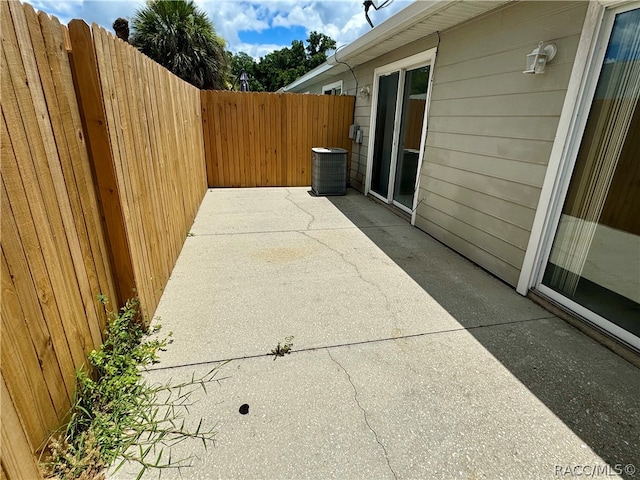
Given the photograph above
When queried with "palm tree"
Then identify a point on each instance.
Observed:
(121, 27)
(180, 36)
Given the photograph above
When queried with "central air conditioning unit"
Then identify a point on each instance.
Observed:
(329, 171)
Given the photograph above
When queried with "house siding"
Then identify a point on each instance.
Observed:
(490, 127)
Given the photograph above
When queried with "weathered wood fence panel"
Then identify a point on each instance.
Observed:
(54, 253)
(256, 139)
(97, 196)
(148, 154)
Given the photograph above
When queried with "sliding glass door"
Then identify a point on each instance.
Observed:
(594, 261)
(398, 126)
(414, 102)
(385, 124)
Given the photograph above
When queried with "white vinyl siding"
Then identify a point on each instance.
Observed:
(491, 129)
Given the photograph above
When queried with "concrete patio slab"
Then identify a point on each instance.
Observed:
(408, 361)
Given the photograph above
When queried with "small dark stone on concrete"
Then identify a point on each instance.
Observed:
(244, 409)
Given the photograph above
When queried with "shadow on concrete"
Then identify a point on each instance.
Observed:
(592, 390)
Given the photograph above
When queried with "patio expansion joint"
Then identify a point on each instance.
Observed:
(364, 413)
(313, 218)
(353, 344)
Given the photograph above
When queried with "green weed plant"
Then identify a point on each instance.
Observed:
(116, 415)
(282, 349)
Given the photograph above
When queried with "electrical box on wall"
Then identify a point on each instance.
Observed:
(359, 136)
(352, 131)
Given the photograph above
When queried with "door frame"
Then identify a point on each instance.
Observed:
(586, 70)
(418, 60)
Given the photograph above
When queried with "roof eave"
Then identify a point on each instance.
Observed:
(356, 52)
(406, 17)
(386, 29)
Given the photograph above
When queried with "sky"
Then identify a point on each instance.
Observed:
(255, 28)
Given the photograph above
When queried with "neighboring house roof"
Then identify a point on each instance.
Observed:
(418, 20)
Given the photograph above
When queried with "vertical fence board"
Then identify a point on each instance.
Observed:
(206, 137)
(174, 176)
(251, 155)
(228, 154)
(254, 108)
(278, 140)
(242, 121)
(289, 178)
(17, 460)
(231, 128)
(220, 133)
(215, 132)
(94, 119)
(261, 125)
(119, 122)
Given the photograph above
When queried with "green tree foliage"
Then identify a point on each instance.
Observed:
(281, 67)
(317, 46)
(180, 36)
(241, 62)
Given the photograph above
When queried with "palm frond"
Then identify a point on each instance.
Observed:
(179, 35)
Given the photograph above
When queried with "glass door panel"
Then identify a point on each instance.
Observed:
(383, 145)
(414, 103)
(595, 257)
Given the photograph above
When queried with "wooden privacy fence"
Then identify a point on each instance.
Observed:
(95, 199)
(145, 139)
(54, 253)
(265, 139)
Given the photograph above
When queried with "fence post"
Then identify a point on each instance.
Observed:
(92, 110)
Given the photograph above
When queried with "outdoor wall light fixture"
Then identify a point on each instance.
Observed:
(538, 59)
(364, 92)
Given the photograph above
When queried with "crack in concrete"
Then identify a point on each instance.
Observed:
(355, 266)
(313, 218)
(364, 414)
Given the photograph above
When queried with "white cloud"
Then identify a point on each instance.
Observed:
(342, 20)
(56, 8)
(258, 50)
(102, 12)
(299, 15)
(230, 17)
